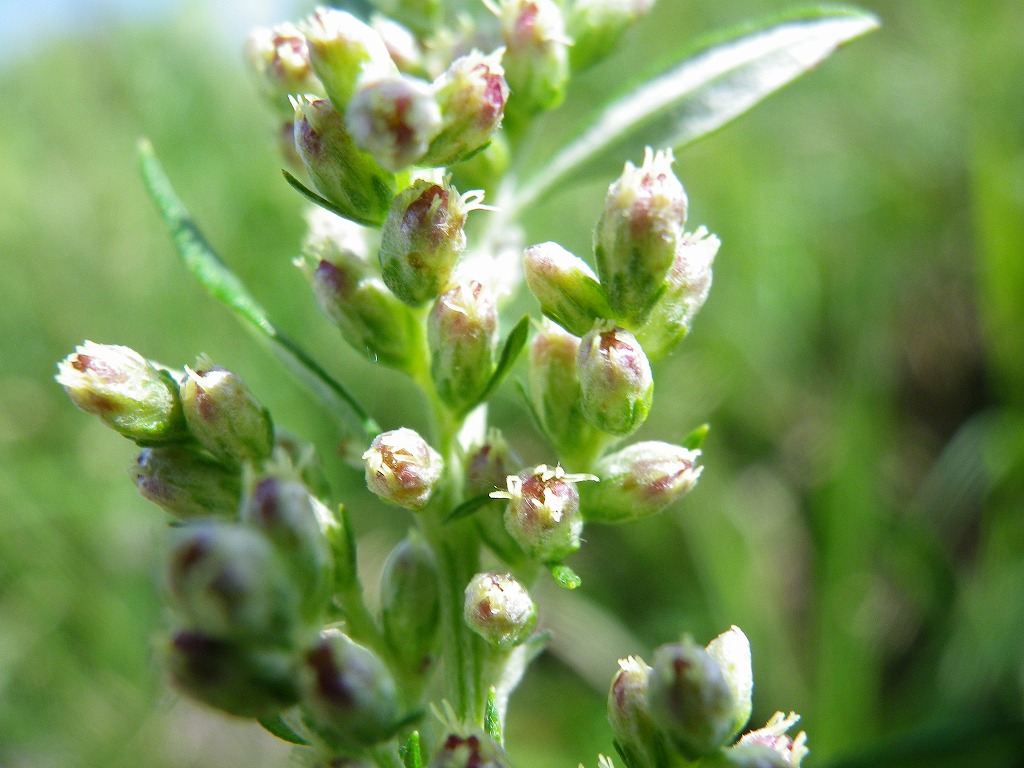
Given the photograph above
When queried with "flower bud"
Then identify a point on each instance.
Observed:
(402, 468)
(473, 751)
(342, 49)
(639, 481)
(489, 464)
(349, 291)
(543, 513)
(186, 483)
(227, 582)
(348, 177)
(348, 691)
(125, 390)
(615, 380)
(637, 235)
(731, 650)
(557, 397)
(636, 735)
(536, 56)
(223, 415)
(402, 45)
(471, 93)
(565, 286)
(686, 288)
(596, 26)
(746, 756)
(394, 119)
(422, 240)
(279, 60)
(499, 609)
(791, 751)
(410, 604)
(233, 677)
(690, 698)
(462, 332)
(282, 509)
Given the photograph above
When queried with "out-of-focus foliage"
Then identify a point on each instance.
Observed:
(861, 360)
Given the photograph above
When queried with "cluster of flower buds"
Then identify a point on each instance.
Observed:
(691, 704)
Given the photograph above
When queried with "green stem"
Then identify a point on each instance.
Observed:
(360, 623)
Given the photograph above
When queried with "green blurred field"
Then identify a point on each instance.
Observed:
(861, 361)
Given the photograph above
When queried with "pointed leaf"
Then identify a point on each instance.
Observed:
(700, 94)
(565, 577)
(696, 438)
(412, 756)
(468, 507)
(222, 284)
(492, 721)
(324, 203)
(514, 344)
(276, 725)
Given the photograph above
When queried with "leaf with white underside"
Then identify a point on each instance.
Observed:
(700, 94)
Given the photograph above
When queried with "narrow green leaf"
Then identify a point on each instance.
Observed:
(565, 577)
(326, 204)
(696, 438)
(276, 725)
(531, 409)
(412, 756)
(514, 344)
(700, 94)
(222, 284)
(468, 507)
(492, 723)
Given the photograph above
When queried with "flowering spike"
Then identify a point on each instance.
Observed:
(686, 289)
(125, 390)
(471, 93)
(422, 240)
(543, 513)
(402, 468)
(223, 415)
(186, 483)
(343, 50)
(567, 289)
(637, 235)
(394, 119)
(639, 481)
(341, 172)
(615, 379)
(462, 331)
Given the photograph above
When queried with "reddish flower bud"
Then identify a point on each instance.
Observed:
(402, 468)
(615, 379)
(394, 119)
(462, 331)
(499, 609)
(279, 60)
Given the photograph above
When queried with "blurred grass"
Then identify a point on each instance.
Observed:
(861, 360)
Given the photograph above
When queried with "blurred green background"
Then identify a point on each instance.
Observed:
(861, 361)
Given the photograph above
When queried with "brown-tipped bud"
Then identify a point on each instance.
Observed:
(233, 677)
(422, 240)
(285, 512)
(557, 396)
(348, 691)
(462, 331)
(394, 119)
(596, 26)
(223, 415)
(125, 390)
(227, 582)
(279, 60)
(186, 483)
(690, 698)
(637, 737)
(536, 56)
(639, 481)
(773, 736)
(471, 93)
(637, 235)
(348, 177)
(402, 468)
(615, 379)
(474, 750)
(410, 604)
(343, 50)
(686, 289)
(565, 286)
(499, 609)
(350, 292)
(543, 513)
